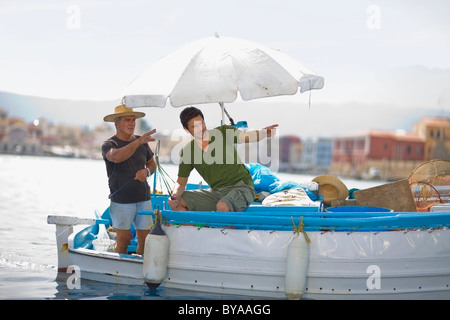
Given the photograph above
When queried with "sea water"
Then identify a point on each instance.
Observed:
(31, 188)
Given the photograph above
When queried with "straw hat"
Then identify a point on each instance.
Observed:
(122, 111)
(331, 188)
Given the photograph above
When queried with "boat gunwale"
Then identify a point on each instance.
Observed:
(320, 221)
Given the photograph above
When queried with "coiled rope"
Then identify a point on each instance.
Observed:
(300, 229)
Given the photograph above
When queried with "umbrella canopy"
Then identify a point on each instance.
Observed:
(215, 69)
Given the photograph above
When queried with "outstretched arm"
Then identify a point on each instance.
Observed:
(122, 154)
(257, 135)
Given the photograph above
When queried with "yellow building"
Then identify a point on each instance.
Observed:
(436, 134)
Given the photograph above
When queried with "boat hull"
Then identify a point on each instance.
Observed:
(358, 265)
(403, 264)
(107, 266)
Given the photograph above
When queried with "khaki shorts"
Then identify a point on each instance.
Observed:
(237, 197)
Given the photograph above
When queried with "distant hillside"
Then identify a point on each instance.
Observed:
(302, 120)
(324, 119)
(70, 112)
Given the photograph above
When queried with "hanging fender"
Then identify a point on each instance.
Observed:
(297, 263)
(156, 254)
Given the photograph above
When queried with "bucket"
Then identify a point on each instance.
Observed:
(104, 245)
(357, 209)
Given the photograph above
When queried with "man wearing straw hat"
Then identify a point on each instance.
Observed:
(129, 162)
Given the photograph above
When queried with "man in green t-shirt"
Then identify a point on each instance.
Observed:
(213, 154)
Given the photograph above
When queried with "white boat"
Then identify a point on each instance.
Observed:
(357, 253)
(262, 252)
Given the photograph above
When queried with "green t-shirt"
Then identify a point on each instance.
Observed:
(220, 165)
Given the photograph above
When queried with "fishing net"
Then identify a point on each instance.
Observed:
(163, 182)
(425, 196)
(430, 184)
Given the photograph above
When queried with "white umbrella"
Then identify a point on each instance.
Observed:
(214, 69)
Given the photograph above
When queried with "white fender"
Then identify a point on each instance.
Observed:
(297, 262)
(156, 256)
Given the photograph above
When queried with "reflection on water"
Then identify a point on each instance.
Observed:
(95, 290)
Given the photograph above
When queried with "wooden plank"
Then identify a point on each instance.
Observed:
(341, 203)
(69, 221)
(396, 196)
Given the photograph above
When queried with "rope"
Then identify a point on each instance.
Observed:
(123, 186)
(158, 219)
(164, 179)
(300, 229)
(163, 176)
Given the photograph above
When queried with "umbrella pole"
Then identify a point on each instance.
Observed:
(222, 106)
(224, 112)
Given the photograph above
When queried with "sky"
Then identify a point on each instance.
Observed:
(376, 51)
